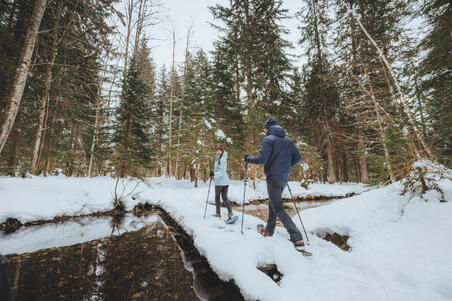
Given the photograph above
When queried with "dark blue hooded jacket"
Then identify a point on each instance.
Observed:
(278, 154)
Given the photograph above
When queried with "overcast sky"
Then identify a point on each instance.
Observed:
(181, 13)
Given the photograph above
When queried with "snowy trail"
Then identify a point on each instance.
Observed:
(394, 256)
(46, 197)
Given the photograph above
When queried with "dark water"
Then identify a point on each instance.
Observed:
(155, 262)
(261, 210)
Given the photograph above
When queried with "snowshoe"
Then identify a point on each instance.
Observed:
(231, 219)
(261, 230)
(300, 247)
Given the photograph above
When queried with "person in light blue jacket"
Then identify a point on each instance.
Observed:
(221, 180)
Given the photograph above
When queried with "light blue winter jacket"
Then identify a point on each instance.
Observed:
(220, 170)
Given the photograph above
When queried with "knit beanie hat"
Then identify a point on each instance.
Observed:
(270, 121)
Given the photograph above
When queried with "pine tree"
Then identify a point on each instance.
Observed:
(436, 78)
(133, 153)
(198, 111)
(22, 70)
(70, 90)
(321, 97)
(228, 108)
(160, 111)
(368, 89)
(253, 33)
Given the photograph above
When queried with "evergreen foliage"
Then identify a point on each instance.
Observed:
(133, 153)
(436, 76)
(340, 107)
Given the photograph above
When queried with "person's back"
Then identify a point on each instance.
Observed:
(278, 154)
(283, 156)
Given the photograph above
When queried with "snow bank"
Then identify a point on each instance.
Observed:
(400, 247)
(46, 197)
(316, 189)
(70, 233)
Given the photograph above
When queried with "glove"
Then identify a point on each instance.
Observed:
(212, 174)
(246, 157)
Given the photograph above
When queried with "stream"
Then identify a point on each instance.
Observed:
(261, 210)
(110, 258)
(128, 257)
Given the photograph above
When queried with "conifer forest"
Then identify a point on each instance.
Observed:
(82, 95)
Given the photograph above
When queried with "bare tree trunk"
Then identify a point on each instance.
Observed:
(362, 159)
(13, 153)
(421, 110)
(403, 100)
(170, 140)
(22, 69)
(248, 60)
(344, 168)
(43, 108)
(411, 140)
(237, 74)
(382, 131)
(129, 13)
(197, 174)
(93, 143)
(385, 146)
(331, 167)
(381, 128)
(139, 24)
(96, 121)
(44, 131)
(362, 167)
(183, 95)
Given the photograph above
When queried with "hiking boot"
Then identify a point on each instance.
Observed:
(230, 215)
(262, 231)
(216, 215)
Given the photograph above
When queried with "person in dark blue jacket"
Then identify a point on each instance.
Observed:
(278, 154)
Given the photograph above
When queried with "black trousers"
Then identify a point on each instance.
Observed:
(223, 191)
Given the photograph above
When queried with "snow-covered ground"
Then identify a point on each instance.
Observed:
(69, 233)
(400, 248)
(46, 197)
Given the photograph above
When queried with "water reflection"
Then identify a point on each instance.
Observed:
(261, 210)
(142, 264)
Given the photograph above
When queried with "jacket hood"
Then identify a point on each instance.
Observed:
(276, 130)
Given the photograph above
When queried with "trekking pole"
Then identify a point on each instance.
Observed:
(208, 192)
(244, 190)
(298, 213)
